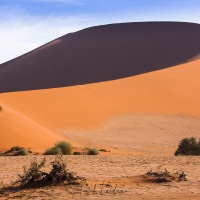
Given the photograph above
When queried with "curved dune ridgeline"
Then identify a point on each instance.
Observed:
(102, 53)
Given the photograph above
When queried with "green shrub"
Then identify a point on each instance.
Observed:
(53, 151)
(93, 151)
(188, 146)
(60, 148)
(18, 151)
(66, 147)
(22, 152)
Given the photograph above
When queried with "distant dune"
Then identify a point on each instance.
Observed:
(111, 73)
(102, 53)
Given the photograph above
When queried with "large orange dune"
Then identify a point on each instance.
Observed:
(169, 86)
(170, 91)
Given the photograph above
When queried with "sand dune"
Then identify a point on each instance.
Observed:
(86, 109)
(102, 53)
(169, 91)
(17, 129)
(123, 69)
(132, 89)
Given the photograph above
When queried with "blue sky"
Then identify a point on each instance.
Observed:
(27, 24)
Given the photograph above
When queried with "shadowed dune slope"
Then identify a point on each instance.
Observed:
(102, 53)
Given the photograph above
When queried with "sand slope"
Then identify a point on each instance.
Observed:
(88, 107)
(17, 129)
(169, 91)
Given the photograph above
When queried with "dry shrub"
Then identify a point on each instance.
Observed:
(165, 176)
(58, 174)
(32, 174)
(18, 151)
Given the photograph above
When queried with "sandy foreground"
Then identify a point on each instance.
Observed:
(125, 171)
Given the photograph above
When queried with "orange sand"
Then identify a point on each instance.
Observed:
(37, 115)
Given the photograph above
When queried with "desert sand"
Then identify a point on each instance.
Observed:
(132, 89)
(125, 171)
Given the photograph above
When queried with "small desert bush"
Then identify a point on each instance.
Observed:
(60, 148)
(18, 151)
(165, 176)
(188, 146)
(93, 151)
(58, 174)
(66, 147)
(32, 174)
(22, 152)
(53, 151)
